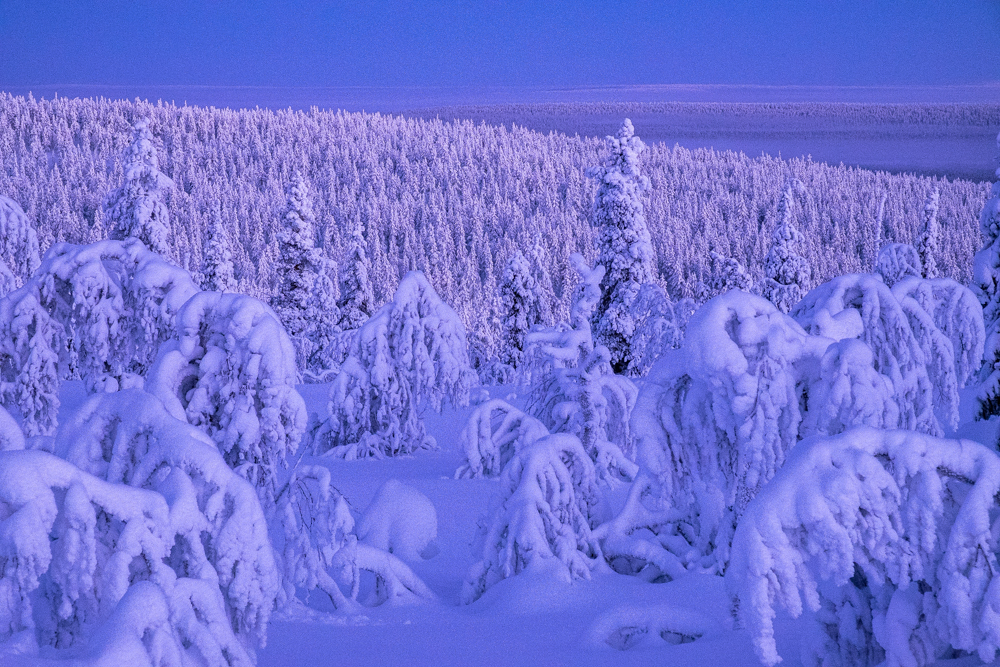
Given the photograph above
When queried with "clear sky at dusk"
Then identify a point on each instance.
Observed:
(495, 43)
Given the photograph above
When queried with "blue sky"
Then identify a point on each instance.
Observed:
(496, 43)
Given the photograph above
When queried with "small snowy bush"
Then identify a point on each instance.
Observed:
(550, 504)
(901, 523)
(411, 354)
(230, 370)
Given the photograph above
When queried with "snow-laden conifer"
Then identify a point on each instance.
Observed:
(18, 244)
(929, 241)
(217, 273)
(549, 507)
(298, 266)
(786, 273)
(357, 301)
(137, 208)
(410, 355)
(139, 545)
(574, 389)
(522, 309)
(325, 337)
(230, 370)
(657, 329)
(986, 263)
(727, 274)
(887, 536)
(624, 247)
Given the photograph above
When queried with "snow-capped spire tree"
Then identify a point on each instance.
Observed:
(357, 301)
(521, 309)
(298, 265)
(137, 208)
(324, 316)
(929, 240)
(217, 273)
(785, 271)
(624, 247)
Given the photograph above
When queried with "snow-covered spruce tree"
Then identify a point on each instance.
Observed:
(549, 506)
(230, 370)
(957, 313)
(712, 423)
(727, 274)
(29, 361)
(986, 263)
(217, 274)
(658, 329)
(861, 306)
(624, 247)
(410, 355)
(897, 261)
(522, 309)
(786, 273)
(574, 389)
(357, 301)
(18, 244)
(137, 208)
(140, 546)
(324, 331)
(898, 525)
(929, 240)
(298, 266)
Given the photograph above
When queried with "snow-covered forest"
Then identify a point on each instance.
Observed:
(270, 376)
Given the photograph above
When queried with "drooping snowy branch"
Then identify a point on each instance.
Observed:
(901, 522)
(495, 431)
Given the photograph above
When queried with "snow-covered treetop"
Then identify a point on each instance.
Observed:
(896, 261)
(928, 242)
(137, 208)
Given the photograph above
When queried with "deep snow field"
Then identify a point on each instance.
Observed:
(523, 620)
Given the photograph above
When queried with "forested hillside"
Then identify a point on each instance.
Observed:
(453, 199)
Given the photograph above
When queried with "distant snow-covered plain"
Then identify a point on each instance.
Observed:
(790, 121)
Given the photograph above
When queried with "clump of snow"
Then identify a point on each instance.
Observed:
(901, 523)
(400, 520)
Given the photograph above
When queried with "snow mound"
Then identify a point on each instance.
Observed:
(400, 520)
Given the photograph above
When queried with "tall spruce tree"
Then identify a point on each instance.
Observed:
(785, 271)
(357, 301)
(522, 309)
(217, 273)
(137, 208)
(298, 266)
(929, 240)
(625, 250)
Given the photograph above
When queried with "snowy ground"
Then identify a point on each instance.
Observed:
(523, 620)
